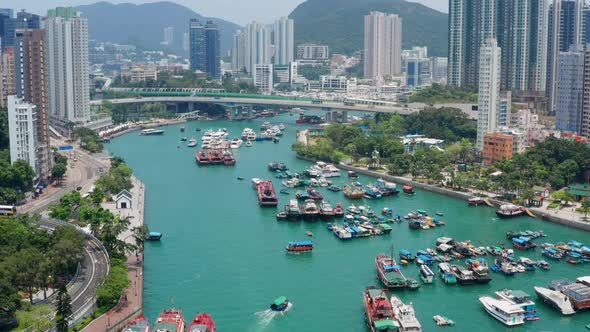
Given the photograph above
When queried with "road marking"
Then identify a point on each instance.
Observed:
(91, 276)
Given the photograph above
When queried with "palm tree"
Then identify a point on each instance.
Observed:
(140, 233)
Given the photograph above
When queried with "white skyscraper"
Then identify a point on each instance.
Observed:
(22, 129)
(238, 51)
(186, 42)
(264, 77)
(168, 36)
(383, 45)
(283, 41)
(489, 90)
(257, 46)
(68, 85)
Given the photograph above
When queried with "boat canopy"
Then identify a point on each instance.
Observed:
(155, 234)
(551, 250)
(404, 252)
(519, 240)
(391, 267)
(385, 324)
(280, 300)
(300, 243)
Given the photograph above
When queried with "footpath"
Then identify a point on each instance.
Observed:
(131, 303)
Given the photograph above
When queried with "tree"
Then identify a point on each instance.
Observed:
(59, 158)
(585, 209)
(63, 309)
(562, 195)
(27, 264)
(58, 171)
(140, 233)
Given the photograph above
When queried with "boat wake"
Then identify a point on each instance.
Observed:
(266, 316)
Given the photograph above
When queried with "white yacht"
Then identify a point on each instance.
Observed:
(426, 274)
(248, 132)
(248, 143)
(406, 316)
(192, 143)
(520, 299)
(502, 310)
(235, 143)
(556, 299)
(151, 132)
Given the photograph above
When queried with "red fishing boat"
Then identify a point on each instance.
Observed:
(228, 158)
(215, 157)
(378, 310)
(139, 324)
(201, 157)
(266, 194)
(202, 323)
(170, 320)
(339, 211)
(408, 189)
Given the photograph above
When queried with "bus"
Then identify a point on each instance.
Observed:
(7, 210)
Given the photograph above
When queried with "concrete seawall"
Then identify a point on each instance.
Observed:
(539, 213)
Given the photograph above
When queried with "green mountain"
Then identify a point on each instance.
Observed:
(143, 25)
(340, 24)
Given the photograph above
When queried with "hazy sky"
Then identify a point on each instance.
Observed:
(238, 11)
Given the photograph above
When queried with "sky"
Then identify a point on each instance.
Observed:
(237, 11)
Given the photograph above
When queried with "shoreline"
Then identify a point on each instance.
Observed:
(540, 214)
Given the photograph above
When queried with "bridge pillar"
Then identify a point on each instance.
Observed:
(344, 116)
(329, 116)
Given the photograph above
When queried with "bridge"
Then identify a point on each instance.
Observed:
(190, 97)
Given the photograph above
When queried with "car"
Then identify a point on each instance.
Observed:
(78, 188)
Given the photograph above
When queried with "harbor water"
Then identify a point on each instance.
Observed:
(223, 254)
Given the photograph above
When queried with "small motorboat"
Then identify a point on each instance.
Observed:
(282, 215)
(248, 143)
(440, 214)
(240, 178)
(198, 129)
(154, 236)
(184, 139)
(280, 304)
(309, 233)
(284, 191)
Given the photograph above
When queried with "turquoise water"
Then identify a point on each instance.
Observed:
(222, 254)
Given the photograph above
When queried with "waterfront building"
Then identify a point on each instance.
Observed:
(6, 75)
(382, 46)
(569, 88)
(489, 91)
(168, 36)
(283, 41)
(496, 146)
(68, 72)
(264, 77)
(565, 24)
(313, 52)
(30, 81)
(22, 129)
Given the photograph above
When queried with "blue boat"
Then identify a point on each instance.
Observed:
(427, 259)
(329, 226)
(523, 243)
(372, 192)
(406, 255)
(154, 236)
(552, 253)
(302, 195)
(279, 304)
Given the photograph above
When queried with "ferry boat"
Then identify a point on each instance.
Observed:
(405, 315)
(446, 274)
(203, 322)
(503, 311)
(579, 294)
(326, 210)
(292, 210)
(521, 299)
(266, 194)
(389, 273)
(556, 300)
(476, 201)
(378, 311)
(192, 143)
(464, 276)
(151, 132)
(341, 232)
(170, 320)
(280, 304)
(408, 189)
(310, 210)
(139, 324)
(339, 211)
(426, 274)
(523, 243)
(235, 143)
(299, 246)
(510, 211)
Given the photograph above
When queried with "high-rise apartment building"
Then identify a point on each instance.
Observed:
(204, 48)
(238, 51)
(30, 82)
(22, 129)
(489, 90)
(569, 88)
(383, 45)
(258, 49)
(439, 69)
(283, 41)
(168, 36)
(264, 77)
(585, 119)
(6, 75)
(10, 24)
(66, 59)
(186, 42)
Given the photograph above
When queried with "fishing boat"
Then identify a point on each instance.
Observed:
(426, 274)
(192, 142)
(408, 189)
(292, 210)
(476, 201)
(139, 324)
(228, 158)
(339, 211)
(406, 255)
(510, 211)
(201, 157)
(578, 294)
(266, 194)
(170, 320)
(352, 192)
(389, 273)
(504, 266)
(310, 210)
(480, 270)
(556, 299)
(299, 246)
(446, 274)
(154, 236)
(503, 311)
(334, 188)
(372, 192)
(378, 311)
(543, 265)
(314, 194)
(352, 174)
(523, 243)
(405, 315)
(464, 276)
(386, 188)
(281, 215)
(341, 232)
(277, 167)
(203, 322)
(552, 253)
(326, 210)
(521, 299)
(442, 321)
(529, 264)
(280, 304)
(151, 132)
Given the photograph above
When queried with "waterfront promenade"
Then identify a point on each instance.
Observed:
(131, 303)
